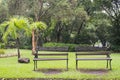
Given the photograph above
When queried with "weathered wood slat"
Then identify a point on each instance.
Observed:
(47, 59)
(93, 58)
(53, 54)
(92, 51)
(62, 49)
(43, 56)
(89, 48)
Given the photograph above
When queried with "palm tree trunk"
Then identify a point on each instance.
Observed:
(18, 49)
(33, 42)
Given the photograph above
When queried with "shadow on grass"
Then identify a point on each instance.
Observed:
(94, 71)
(51, 71)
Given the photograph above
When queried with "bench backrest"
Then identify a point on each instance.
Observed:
(92, 51)
(106, 53)
(89, 48)
(61, 49)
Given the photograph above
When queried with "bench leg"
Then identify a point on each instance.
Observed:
(67, 64)
(110, 64)
(107, 64)
(76, 64)
(34, 65)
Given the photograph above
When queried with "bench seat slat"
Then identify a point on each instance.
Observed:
(93, 59)
(44, 54)
(94, 53)
(53, 54)
(46, 59)
(91, 54)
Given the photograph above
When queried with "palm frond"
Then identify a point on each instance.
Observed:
(6, 34)
(3, 26)
(38, 25)
(14, 26)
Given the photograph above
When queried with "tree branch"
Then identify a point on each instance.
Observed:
(108, 12)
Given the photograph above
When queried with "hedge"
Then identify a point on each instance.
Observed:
(71, 46)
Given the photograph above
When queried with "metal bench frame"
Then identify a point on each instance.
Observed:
(91, 52)
(63, 49)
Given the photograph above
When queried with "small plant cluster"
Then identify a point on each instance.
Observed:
(2, 51)
(2, 45)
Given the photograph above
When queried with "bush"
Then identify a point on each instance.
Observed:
(71, 46)
(2, 45)
(25, 47)
(115, 48)
(2, 51)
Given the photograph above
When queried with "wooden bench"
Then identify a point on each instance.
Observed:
(95, 53)
(63, 52)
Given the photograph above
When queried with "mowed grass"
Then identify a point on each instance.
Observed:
(10, 68)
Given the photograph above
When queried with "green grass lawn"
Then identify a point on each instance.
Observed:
(10, 68)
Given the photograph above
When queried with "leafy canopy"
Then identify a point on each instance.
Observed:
(13, 27)
(38, 25)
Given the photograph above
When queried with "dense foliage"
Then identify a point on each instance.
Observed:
(68, 21)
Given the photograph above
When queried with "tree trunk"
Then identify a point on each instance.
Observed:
(33, 42)
(18, 49)
(78, 32)
(37, 18)
(103, 43)
(58, 31)
(58, 37)
(80, 27)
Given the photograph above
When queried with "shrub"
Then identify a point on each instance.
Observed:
(27, 47)
(71, 46)
(115, 48)
(2, 45)
(2, 51)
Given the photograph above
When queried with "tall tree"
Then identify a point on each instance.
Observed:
(101, 26)
(29, 8)
(37, 12)
(13, 28)
(36, 28)
(112, 8)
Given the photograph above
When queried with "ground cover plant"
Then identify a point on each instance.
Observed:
(10, 68)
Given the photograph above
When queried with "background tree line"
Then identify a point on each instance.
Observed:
(69, 21)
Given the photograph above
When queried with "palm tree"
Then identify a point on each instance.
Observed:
(36, 27)
(13, 27)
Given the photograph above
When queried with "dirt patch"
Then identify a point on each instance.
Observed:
(94, 71)
(51, 71)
